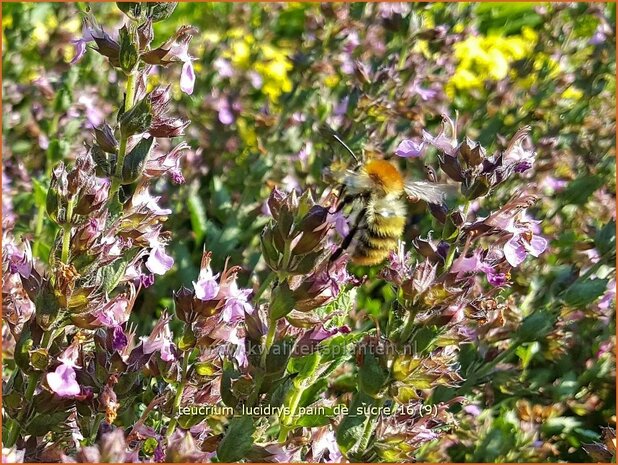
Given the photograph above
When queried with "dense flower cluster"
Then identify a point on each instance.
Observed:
(177, 292)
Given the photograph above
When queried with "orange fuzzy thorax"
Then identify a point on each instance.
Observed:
(385, 175)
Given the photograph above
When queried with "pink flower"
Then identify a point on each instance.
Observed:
(206, 287)
(143, 198)
(410, 148)
(236, 304)
(523, 242)
(168, 163)
(474, 264)
(187, 77)
(115, 312)
(80, 44)
(223, 67)
(230, 334)
(446, 139)
(20, 259)
(63, 381)
(160, 340)
(158, 261)
(341, 223)
(119, 339)
(517, 155)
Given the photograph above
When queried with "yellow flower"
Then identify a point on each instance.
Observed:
(482, 58)
(246, 132)
(331, 81)
(572, 93)
(240, 53)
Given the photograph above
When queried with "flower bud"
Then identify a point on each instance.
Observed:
(282, 301)
(428, 249)
(107, 47)
(81, 178)
(105, 164)
(128, 55)
(275, 201)
(471, 152)
(145, 34)
(137, 119)
(56, 195)
(168, 127)
(184, 299)
(479, 187)
(135, 160)
(153, 11)
(438, 211)
(48, 308)
(39, 359)
(269, 250)
(104, 136)
(313, 228)
(450, 165)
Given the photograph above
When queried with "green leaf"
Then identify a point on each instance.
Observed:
(305, 366)
(583, 293)
(351, 428)
(135, 160)
(237, 440)
(579, 190)
(282, 302)
(371, 374)
(605, 239)
(40, 193)
(51, 421)
(229, 374)
(197, 213)
(536, 325)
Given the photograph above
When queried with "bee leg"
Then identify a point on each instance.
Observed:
(344, 245)
(345, 200)
(346, 241)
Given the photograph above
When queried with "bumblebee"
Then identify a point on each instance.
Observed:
(377, 191)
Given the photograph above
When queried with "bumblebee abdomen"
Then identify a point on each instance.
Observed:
(387, 226)
(378, 237)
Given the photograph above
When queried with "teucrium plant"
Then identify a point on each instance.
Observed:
(76, 357)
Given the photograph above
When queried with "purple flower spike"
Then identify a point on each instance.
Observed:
(62, 381)
(410, 148)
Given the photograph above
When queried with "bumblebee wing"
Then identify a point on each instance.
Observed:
(356, 182)
(430, 192)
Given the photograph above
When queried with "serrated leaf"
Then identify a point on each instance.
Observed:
(237, 441)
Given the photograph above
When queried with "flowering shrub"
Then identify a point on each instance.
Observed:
(179, 276)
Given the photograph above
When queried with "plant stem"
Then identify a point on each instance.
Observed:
(122, 150)
(408, 326)
(66, 233)
(451, 253)
(270, 338)
(269, 279)
(177, 400)
(286, 420)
